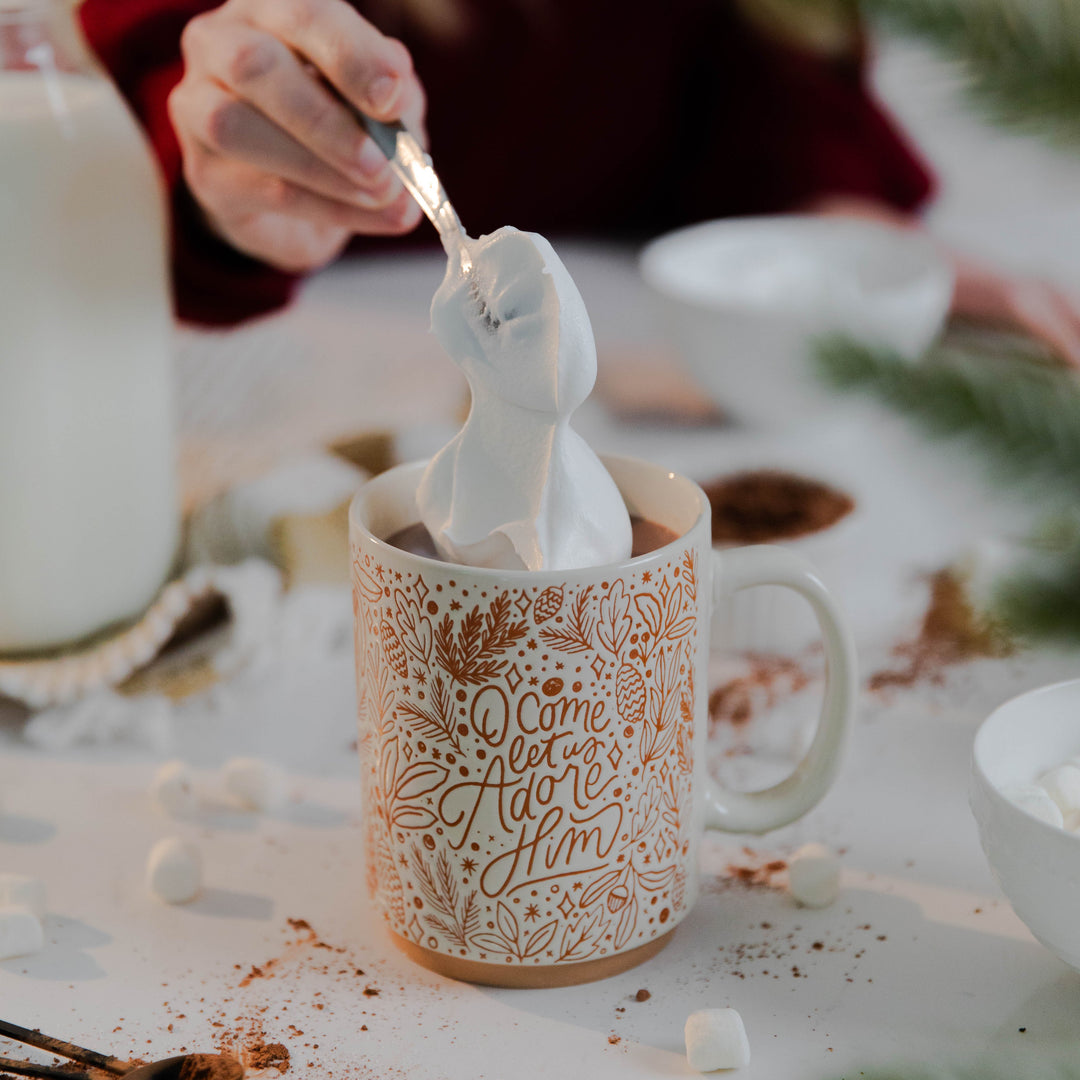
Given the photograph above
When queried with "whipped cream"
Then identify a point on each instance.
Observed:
(517, 487)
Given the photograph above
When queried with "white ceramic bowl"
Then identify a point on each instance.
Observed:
(744, 300)
(1036, 864)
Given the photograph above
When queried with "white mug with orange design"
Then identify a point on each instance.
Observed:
(531, 743)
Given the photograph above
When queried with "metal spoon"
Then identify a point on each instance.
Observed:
(414, 169)
(192, 1066)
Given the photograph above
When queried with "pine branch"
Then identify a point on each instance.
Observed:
(1022, 57)
(1023, 414)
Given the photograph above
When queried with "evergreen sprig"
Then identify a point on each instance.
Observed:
(1024, 413)
(1025, 416)
(1021, 57)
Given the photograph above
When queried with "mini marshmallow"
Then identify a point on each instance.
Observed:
(173, 789)
(20, 932)
(1034, 799)
(174, 871)
(716, 1039)
(1062, 784)
(814, 876)
(258, 784)
(21, 890)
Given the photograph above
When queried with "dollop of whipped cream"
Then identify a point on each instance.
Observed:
(517, 488)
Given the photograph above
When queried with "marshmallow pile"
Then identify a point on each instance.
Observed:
(1054, 797)
(22, 909)
(517, 488)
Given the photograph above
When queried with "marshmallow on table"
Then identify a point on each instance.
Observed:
(716, 1039)
(21, 890)
(174, 871)
(1062, 784)
(1034, 799)
(814, 876)
(173, 789)
(257, 784)
(20, 932)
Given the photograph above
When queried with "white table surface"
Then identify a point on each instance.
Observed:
(920, 959)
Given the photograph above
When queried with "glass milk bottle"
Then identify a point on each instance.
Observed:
(88, 501)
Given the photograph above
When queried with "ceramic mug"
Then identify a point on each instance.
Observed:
(531, 743)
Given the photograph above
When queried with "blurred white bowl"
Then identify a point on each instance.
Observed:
(1036, 864)
(744, 300)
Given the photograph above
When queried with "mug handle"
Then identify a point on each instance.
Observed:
(770, 808)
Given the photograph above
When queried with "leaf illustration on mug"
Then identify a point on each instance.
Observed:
(414, 628)
(457, 918)
(576, 635)
(366, 584)
(602, 886)
(665, 697)
(377, 701)
(685, 739)
(395, 789)
(624, 928)
(661, 616)
(689, 574)
(437, 722)
(472, 653)
(584, 936)
(504, 936)
(615, 622)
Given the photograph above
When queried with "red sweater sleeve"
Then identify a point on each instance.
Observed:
(138, 41)
(759, 126)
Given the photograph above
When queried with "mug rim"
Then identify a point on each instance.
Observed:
(619, 461)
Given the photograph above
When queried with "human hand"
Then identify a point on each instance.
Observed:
(1030, 306)
(279, 166)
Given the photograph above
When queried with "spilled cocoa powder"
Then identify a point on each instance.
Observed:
(208, 1067)
(770, 677)
(263, 1055)
(767, 504)
(951, 633)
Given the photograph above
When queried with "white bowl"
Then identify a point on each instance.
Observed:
(1036, 864)
(744, 300)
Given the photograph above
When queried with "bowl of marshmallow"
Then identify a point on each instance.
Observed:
(744, 302)
(1025, 794)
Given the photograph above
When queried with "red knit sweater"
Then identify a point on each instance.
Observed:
(597, 118)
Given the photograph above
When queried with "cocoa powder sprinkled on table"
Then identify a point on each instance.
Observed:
(951, 633)
(766, 505)
(263, 1055)
(207, 1067)
(770, 677)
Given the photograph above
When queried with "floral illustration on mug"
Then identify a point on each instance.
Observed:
(527, 757)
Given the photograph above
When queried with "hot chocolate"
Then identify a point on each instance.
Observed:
(647, 537)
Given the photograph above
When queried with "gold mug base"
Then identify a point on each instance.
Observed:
(537, 976)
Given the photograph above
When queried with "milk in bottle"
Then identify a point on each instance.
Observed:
(88, 504)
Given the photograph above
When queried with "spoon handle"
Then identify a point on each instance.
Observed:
(28, 1068)
(63, 1049)
(414, 169)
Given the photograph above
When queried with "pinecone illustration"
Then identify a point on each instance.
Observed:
(630, 694)
(548, 603)
(395, 654)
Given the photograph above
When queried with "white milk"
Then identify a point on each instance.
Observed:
(88, 507)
